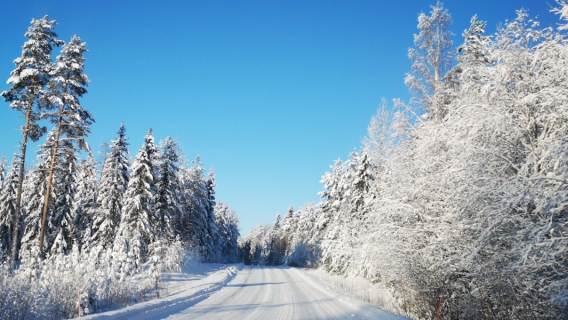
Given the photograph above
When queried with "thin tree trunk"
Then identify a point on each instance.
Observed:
(439, 304)
(16, 215)
(54, 150)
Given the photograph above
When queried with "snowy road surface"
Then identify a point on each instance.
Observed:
(267, 293)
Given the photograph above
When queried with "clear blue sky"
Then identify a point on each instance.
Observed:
(267, 92)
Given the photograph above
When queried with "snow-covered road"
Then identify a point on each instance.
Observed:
(267, 293)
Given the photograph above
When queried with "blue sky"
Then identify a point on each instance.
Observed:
(268, 93)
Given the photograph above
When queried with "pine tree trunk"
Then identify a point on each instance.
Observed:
(54, 150)
(16, 216)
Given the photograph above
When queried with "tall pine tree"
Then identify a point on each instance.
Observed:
(33, 199)
(28, 80)
(72, 121)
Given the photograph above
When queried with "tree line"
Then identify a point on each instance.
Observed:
(124, 218)
(455, 203)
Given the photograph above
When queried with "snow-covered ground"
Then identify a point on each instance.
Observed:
(243, 292)
(178, 291)
(354, 287)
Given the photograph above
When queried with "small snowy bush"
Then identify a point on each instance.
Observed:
(77, 284)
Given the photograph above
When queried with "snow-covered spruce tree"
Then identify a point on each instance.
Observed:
(289, 227)
(168, 204)
(349, 216)
(62, 223)
(71, 120)
(28, 81)
(277, 244)
(138, 226)
(85, 202)
(2, 171)
(228, 226)
(157, 254)
(431, 58)
(473, 54)
(255, 246)
(193, 225)
(198, 226)
(60, 202)
(113, 184)
(332, 195)
(362, 183)
(327, 226)
(7, 209)
(303, 243)
(212, 248)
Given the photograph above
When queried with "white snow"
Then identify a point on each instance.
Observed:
(178, 291)
(257, 292)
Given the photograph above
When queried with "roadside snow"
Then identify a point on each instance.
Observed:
(353, 290)
(178, 291)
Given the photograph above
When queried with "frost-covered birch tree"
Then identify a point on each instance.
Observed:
(431, 58)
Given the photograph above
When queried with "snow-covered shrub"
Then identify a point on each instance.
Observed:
(77, 284)
(301, 255)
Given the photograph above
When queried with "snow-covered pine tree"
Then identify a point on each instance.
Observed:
(138, 225)
(72, 121)
(28, 81)
(431, 58)
(113, 184)
(168, 204)
(85, 202)
(7, 209)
